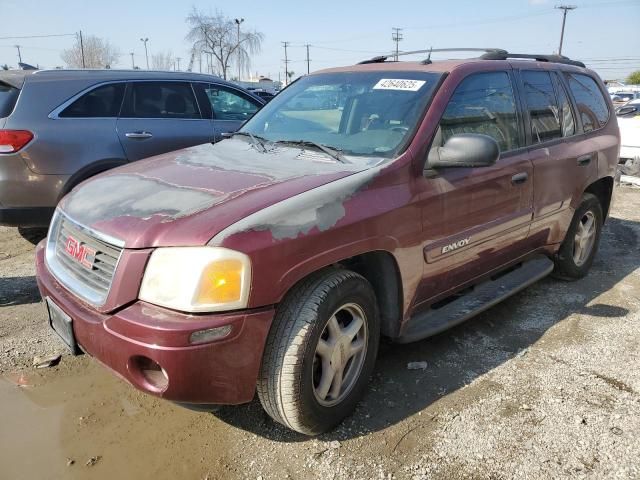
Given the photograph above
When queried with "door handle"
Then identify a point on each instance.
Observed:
(138, 135)
(585, 159)
(519, 178)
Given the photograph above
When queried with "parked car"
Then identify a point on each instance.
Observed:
(60, 127)
(266, 96)
(629, 123)
(620, 98)
(276, 260)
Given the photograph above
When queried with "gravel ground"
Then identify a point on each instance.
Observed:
(544, 386)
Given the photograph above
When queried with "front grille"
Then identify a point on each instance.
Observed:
(88, 269)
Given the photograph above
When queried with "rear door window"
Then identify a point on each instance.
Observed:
(8, 97)
(230, 105)
(101, 102)
(161, 100)
(542, 105)
(592, 107)
(484, 103)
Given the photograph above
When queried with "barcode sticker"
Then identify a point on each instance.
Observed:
(399, 84)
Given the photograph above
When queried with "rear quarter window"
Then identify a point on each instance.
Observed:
(592, 106)
(8, 97)
(100, 102)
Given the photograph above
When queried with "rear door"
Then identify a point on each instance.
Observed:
(564, 159)
(159, 117)
(477, 219)
(230, 107)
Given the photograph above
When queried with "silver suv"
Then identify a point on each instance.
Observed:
(60, 127)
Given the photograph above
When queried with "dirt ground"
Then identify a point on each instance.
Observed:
(544, 386)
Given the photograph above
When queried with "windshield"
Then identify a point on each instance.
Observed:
(356, 113)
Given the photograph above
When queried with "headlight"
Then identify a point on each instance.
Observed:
(197, 279)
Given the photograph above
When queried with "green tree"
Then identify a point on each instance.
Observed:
(634, 78)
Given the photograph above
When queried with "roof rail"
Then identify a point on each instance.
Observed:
(488, 54)
(540, 58)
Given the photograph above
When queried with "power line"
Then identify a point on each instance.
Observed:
(39, 36)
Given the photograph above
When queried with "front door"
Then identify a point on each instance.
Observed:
(476, 219)
(159, 117)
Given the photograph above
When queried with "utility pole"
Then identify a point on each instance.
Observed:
(82, 49)
(19, 54)
(396, 36)
(146, 52)
(307, 45)
(133, 65)
(178, 59)
(564, 9)
(238, 22)
(286, 63)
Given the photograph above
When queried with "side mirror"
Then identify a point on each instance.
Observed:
(465, 150)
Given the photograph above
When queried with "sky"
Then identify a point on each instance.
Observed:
(605, 34)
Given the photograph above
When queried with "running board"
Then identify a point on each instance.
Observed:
(481, 297)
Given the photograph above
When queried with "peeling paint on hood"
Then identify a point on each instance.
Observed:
(186, 197)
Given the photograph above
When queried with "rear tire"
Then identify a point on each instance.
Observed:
(320, 352)
(576, 254)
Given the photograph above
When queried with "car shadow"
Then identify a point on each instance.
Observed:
(18, 291)
(458, 356)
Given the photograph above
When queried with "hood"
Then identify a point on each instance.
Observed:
(186, 197)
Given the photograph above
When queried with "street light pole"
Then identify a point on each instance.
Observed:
(238, 22)
(146, 52)
(564, 8)
(19, 54)
(133, 65)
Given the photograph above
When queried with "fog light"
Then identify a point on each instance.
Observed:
(152, 372)
(210, 334)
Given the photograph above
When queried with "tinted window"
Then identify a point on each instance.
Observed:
(8, 97)
(161, 100)
(103, 101)
(568, 121)
(228, 105)
(483, 103)
(592, 106)
(543, 108)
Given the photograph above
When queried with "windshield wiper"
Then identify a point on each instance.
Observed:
(255, 139)
(333, 152)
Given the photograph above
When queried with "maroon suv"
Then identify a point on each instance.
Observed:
(391, 199)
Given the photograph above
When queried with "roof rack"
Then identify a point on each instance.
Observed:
(540, 58)
(488, 54)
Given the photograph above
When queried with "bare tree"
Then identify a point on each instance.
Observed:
(98, 53)
(217, 35)
(162, 61)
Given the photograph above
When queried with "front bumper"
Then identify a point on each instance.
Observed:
(220, 372)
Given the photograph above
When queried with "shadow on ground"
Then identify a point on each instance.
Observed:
(18, 291)
(457, 357)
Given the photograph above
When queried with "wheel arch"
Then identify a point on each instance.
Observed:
(89, 171)
(603, 190)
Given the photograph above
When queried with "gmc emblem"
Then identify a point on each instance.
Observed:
(80, 252)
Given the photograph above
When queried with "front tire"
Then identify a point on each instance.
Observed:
(580, 245)
(320, 352)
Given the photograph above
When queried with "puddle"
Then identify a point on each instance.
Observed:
(79, 410)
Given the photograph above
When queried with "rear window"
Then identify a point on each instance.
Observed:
(161, 100)
(100, 102)
(592, 107)
(542, 105)
(8, 97)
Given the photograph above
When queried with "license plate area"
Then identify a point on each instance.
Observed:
(62, 324)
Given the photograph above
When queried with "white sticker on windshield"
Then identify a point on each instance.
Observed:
(399, 84)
